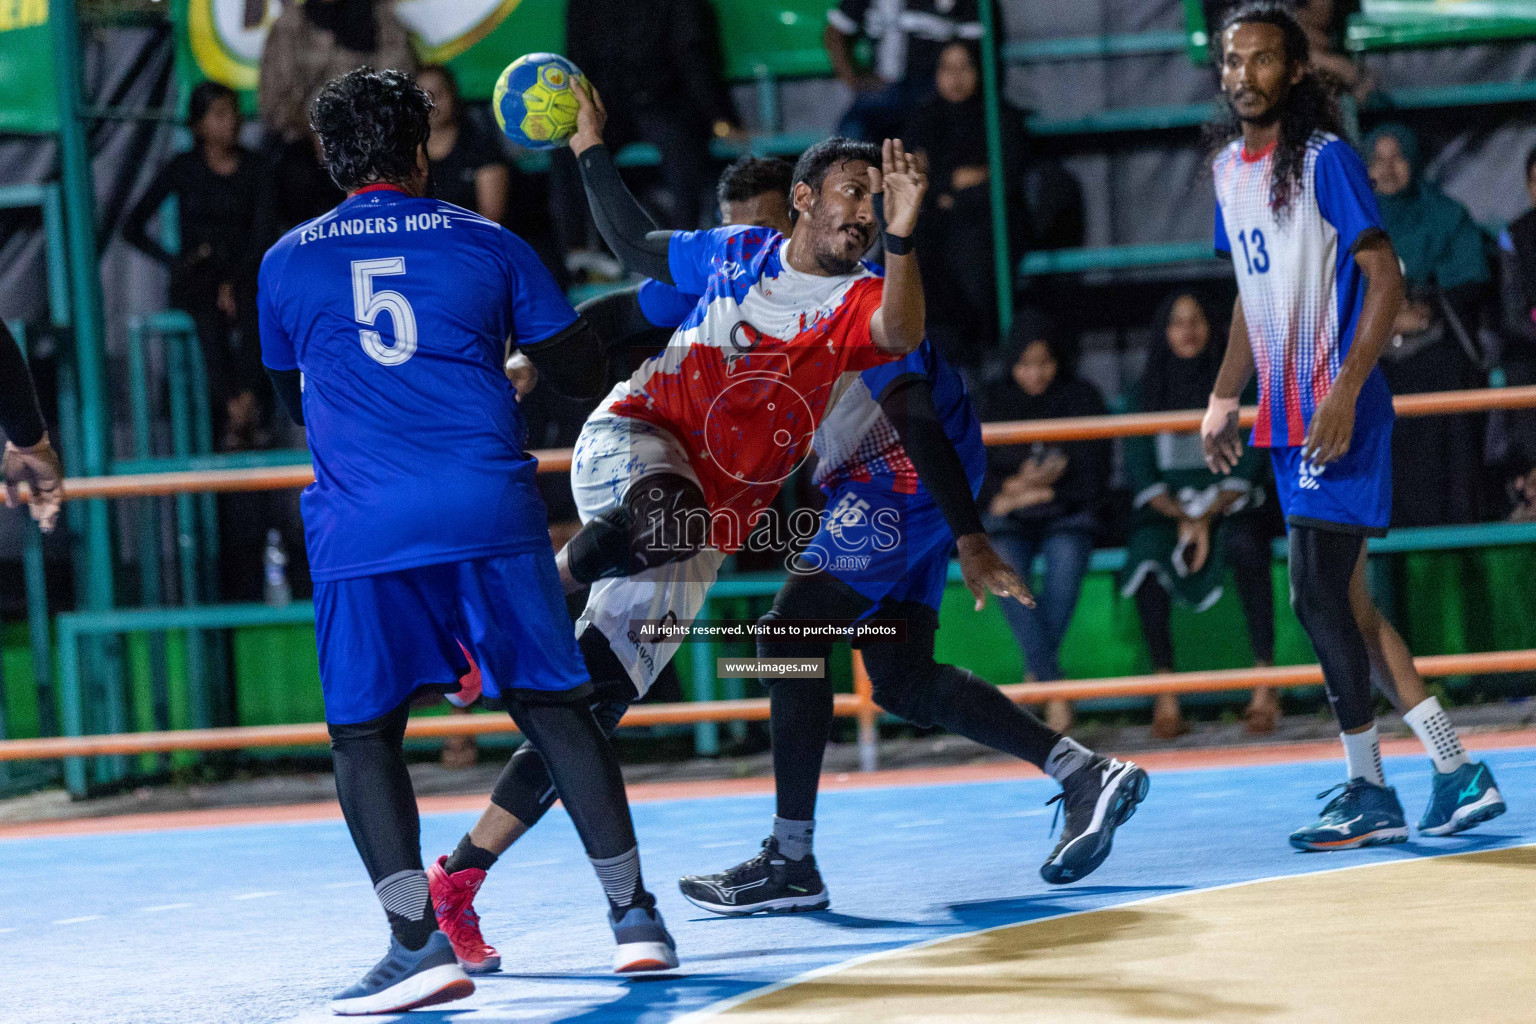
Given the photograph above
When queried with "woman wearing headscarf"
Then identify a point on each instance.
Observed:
(954, 243)
(311, 43)
(1512, 433)
(1437, 460)
(1044, 499)
(1189, 525)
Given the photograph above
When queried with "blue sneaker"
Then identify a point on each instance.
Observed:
(644, 944)
(1365, 814)
(1461, 799)
(405, 980)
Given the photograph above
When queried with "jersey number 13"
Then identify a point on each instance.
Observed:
(367, 304)
(1258, 258)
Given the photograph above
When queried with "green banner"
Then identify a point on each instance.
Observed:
(222, 39)
(26, 68)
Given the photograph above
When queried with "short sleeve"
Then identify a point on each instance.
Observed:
(855, 340)
(665, 305)
(848, 16)
(277, 351)
(692, 256)
(539, 308)
(1344, 194)
(1220, 240)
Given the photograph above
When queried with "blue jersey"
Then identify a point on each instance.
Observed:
(665, 305)
(1301, 288)
(857, 442)
(397, 310)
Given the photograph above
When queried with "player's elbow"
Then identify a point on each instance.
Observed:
(571, 361)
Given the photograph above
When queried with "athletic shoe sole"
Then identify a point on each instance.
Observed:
(1380, 837)
(1129, 791)
(643, 958)
(783, 905)
(433, 986)
(1485, 808)
(490, 965)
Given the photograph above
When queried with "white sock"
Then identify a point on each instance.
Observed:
(1433, 727)
(1066, 757)
(1362, 756)
(794, 837)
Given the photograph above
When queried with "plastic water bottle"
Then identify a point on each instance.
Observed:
(275, 584)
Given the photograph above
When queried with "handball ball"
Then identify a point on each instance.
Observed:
(533, 101)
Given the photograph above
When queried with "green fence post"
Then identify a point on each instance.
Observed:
(150, 584)
(706, 735)
(186, 534)
(70, 698)
(996, 182)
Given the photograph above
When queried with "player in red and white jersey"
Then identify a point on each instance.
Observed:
(672, 470)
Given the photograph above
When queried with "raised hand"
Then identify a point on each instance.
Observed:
(591, 117)
(904, 178)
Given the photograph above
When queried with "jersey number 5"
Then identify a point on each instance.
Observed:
(367, 304)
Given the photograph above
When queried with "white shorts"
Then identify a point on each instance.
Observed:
(610, 455)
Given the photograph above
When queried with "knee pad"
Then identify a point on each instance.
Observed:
(903, 676)
(664, 519)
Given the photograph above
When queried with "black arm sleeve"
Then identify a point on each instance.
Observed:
(20, 416)
(289, 387)
(617, 317)
(573, 361)
(908, 402)
(625, 226)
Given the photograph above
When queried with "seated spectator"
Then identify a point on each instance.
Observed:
(213, 276)
(468, 168)
(1447, 277)
(297, 188)
(1188, 523)
(1512, 433)
(658, 70)
(1043, 499)
(954, 243)
(313, 42)
(908, 35)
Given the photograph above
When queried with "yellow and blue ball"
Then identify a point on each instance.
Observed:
(534, 102)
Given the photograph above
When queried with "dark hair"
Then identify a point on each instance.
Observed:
(1030, 326)
(203, 97)
(1168, 382)
(453, 86)
(371, 124)
(1530, 161)
(1311, 106)
(753, 176)
(814, 163)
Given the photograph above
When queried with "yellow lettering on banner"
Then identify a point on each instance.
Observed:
(7, 18)
(18, 14)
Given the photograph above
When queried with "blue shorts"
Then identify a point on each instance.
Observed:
(1353, 495)
(383, 638)
(887, 547)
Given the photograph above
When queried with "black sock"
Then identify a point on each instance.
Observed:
(468, 855)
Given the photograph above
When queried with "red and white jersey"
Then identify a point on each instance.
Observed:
(749, 376)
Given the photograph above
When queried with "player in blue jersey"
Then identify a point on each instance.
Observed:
(384, 324)
(1318, 288)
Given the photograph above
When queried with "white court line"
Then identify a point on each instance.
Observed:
(345, 885)
(164, 906)
(716, 846)
(547, 863)
(1022, 814)
(79, 920)
(921, 824)
(4, 930)
(713, 1010)
(257, 895)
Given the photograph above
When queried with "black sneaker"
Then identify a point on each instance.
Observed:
(768, 882)
(1099, 798)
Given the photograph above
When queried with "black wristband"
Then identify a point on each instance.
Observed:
(898, 245)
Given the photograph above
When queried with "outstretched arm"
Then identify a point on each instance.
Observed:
(897, 326)
(624, 224)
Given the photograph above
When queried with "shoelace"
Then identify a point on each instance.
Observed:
(1060, 801)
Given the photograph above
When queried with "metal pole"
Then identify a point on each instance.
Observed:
(997, 184)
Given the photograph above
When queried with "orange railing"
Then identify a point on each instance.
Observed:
(859, 704)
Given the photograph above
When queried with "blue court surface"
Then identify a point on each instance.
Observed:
(261, 923)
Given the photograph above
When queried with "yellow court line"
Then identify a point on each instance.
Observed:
(1449, 939)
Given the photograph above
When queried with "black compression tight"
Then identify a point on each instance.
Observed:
(375, 792)
(907, 682)
(1322, 562)
(585, 770)
(524, 788)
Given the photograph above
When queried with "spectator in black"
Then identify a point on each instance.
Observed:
(954, 243)
(1435, 346)
(658, 69)
(1044, 499)
(468, 168)
(29, 458)
(907, 35)
(213, 276)
(1188, 524)
(1512, 433)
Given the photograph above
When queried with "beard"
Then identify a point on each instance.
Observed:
(834, 262)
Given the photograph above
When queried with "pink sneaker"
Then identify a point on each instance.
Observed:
(454, 897)
(469, 684)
